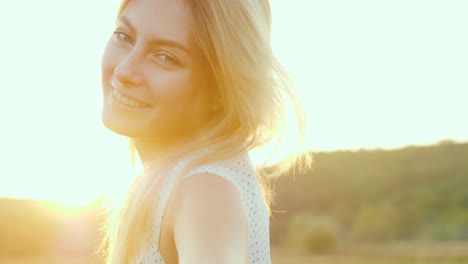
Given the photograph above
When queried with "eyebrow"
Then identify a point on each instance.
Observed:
(156, 42)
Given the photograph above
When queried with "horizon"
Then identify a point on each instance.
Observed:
(79, 206)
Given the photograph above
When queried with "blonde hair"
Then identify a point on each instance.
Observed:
(253, 88)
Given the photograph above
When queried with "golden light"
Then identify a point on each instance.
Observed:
(365, 79)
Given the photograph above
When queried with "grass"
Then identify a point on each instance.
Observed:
(395, 253)
(362, 261)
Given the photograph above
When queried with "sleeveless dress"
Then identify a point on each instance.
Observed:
(240, 172)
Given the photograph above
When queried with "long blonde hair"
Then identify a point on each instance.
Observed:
(253, 88)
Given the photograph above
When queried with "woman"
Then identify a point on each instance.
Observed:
(195, 86)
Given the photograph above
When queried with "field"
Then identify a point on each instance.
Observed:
(397, 253)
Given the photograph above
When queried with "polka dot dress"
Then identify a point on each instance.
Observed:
(240, 172)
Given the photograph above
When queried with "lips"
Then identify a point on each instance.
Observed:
(129, 101)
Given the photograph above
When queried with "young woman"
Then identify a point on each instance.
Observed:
(194, 85)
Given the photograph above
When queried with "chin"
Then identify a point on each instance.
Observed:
(119, 125)
(125, 125)
(123, 121)
(143, 123)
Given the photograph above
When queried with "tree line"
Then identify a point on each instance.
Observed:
(413, 193)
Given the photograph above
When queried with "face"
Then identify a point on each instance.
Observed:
(153, 78)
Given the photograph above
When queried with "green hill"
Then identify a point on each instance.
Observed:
(380, 195)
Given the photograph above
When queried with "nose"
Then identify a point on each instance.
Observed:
(128, 71)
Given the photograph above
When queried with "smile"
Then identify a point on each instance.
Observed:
(128, 101)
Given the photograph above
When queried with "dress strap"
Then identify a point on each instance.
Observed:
(225, 168)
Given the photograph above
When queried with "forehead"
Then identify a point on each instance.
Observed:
(154, 19)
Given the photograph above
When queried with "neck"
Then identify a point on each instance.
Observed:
(156, 151)
(153, 152)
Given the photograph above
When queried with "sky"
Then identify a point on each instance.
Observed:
(371, 74)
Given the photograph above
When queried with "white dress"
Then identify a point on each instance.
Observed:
(240, 172)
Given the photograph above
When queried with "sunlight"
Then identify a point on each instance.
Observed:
(361, 86)
(64, 207)
(373, 77)
(270, 153)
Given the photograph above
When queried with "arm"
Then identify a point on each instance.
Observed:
(211, 223)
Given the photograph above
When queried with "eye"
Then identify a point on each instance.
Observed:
(121, 36)
(166, 59)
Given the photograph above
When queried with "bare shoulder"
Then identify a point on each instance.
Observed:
(210, 221)
(204, 186)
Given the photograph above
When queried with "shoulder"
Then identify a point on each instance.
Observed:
(233, 169)
(207, 191)
(210, 220)
(207, 185)
(209, 197)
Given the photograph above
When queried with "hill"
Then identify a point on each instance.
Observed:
(379, 195)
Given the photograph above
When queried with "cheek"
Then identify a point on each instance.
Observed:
(172, 86)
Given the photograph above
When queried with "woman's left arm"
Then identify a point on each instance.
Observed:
(210, 221)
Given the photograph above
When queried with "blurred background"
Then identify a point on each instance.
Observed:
(384, 88)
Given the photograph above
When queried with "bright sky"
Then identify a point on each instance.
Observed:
(370, 73)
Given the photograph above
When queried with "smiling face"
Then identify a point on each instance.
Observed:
(153, 75)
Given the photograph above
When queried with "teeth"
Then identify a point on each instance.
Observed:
(127, 101)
